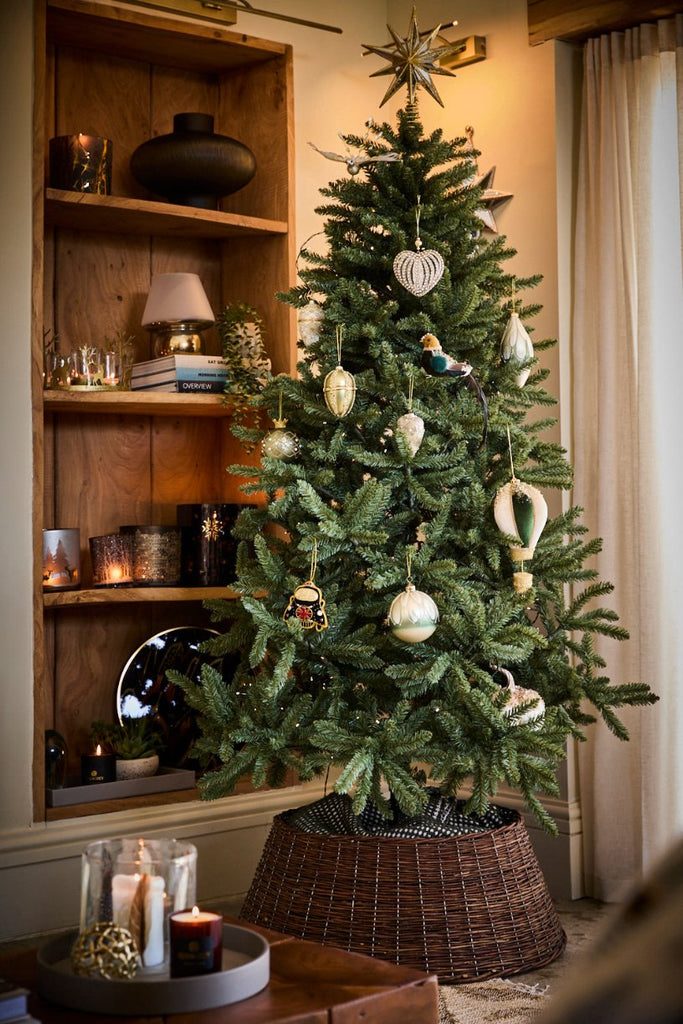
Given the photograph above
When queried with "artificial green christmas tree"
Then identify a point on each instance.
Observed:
(413, 432)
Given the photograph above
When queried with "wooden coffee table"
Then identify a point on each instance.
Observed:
(309, 984)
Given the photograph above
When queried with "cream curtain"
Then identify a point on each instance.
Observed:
(627, 444)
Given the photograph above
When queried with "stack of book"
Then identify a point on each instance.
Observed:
(181, 372)
(14, 1004)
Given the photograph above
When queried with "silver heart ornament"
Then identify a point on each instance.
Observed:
(420, 271)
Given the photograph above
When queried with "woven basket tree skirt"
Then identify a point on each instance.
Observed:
(464, 907)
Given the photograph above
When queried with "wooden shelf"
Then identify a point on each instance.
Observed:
(79, 211)
(134, 595)
(136, 403)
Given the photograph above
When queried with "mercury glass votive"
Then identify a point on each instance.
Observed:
(156, 555)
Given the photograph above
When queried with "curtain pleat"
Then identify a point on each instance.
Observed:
(627, 351)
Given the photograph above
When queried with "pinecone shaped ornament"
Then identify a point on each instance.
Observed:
(309, 320)
(413, 615)
(516, 348)
(412, 427)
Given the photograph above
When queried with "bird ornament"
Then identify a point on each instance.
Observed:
(438, 363)
(356, 161)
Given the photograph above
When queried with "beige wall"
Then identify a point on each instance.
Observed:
(511, 100)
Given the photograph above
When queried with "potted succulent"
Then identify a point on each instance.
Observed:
(136, 744)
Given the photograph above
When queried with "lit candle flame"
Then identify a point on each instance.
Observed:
(98, 751)
(195, 912)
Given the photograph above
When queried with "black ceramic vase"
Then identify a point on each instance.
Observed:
(193, 166)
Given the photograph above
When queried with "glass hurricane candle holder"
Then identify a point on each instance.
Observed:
(136, 883)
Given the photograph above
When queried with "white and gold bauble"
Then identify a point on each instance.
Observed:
(413, 615)
(339, 389)
(515, 697)
(309, 320)
(412, 428)
(280, 443)
(516, 348)
(520, 510)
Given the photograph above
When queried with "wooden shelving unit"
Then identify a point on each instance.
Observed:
(114, 458)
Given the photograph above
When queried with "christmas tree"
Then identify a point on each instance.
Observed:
(400, 622)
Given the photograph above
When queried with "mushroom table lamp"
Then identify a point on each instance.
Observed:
(176, 312)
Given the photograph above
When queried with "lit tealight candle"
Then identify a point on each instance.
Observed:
(98, 767)
(196, 942)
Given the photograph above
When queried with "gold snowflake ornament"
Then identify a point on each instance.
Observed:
(412, 61)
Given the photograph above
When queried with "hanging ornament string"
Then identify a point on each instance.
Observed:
(512, 465)
(307, 604)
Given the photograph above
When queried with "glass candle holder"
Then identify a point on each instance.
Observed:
(81, 163)
(156, 555)
(208, 549)
(137, 883)
(196, 942)
(112, 560)
(61, 559)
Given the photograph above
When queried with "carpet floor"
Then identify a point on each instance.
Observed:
(522, 997)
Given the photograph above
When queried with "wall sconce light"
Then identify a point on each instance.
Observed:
(470, 50)
(177, 310)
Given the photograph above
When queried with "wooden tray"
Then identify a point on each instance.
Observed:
(246, 970)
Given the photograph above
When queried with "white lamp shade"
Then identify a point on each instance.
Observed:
(177, 298)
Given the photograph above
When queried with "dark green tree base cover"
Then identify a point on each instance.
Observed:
(391, 717)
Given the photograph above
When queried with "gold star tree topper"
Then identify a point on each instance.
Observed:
(412, 61)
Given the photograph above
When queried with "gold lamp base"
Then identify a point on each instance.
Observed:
(171, 338)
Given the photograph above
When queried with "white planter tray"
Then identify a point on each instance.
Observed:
(165, 781)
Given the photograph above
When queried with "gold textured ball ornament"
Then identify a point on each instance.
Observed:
(105, 950)
(280, 443)
(339, 390)
(413, 615)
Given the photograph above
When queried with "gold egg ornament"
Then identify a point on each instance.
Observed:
(339, 386)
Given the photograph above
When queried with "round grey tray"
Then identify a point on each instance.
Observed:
(246, 970)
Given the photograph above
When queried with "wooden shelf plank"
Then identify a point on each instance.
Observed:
(135, 403)
(126, 216)
(134, 595)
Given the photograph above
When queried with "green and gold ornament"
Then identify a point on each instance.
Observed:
(280, 443)
(339, 386)
(520, 511)
(307, 604)
(413, 615)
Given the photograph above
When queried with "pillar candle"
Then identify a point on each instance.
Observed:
(138, 905)
(196, 942)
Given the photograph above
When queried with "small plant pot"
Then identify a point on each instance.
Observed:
(136, 767)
